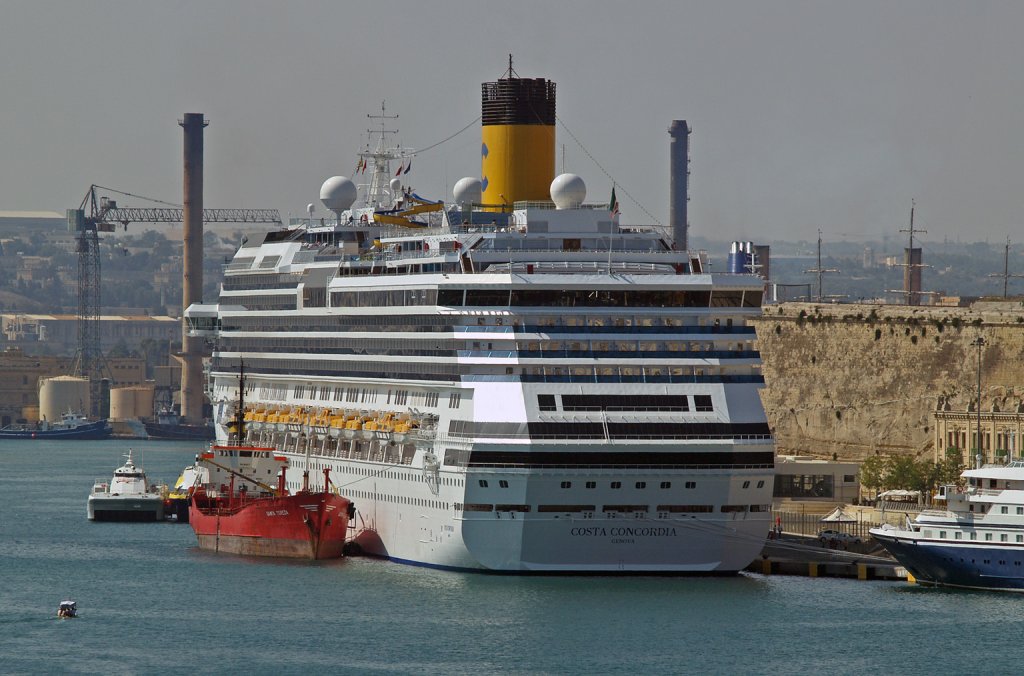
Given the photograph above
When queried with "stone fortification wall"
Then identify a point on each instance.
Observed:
(856, 379)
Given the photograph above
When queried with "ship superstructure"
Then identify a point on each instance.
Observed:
(527, 386)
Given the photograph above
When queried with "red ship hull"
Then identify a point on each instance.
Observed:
(304, 526)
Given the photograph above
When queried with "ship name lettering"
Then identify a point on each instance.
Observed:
(624, 531)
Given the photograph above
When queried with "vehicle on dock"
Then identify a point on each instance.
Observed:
(831, 538)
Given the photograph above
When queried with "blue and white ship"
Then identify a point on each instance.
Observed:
(977, 542)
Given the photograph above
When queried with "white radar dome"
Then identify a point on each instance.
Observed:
(568, 191)
(338, 193)
(396, 185)
(468, 189)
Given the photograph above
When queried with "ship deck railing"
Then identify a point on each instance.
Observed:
(608, 354)
(938, 513)
(612, 438)
(644, 467)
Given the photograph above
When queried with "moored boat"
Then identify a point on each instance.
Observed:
(72, 425)
(976, 542)
(128, 496)
(513, 381)
(246, 516)
(169, 425)
(232, 510)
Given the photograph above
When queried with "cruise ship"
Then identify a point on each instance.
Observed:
(510, 382)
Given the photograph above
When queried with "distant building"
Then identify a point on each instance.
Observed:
(58, 334)
(20, 374)
(804, 478)
(956, 433)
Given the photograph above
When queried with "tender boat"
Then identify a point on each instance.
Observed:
(67, 610)
(127, 497)
(977, 542)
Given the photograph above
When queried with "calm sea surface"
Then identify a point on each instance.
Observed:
(151, 602)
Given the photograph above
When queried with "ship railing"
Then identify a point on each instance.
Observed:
(617, 437)
(512, 465)
(938, 514)
(992, 492)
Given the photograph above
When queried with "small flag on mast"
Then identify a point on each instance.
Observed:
(408, 167)
(401, 167)
(613, 203)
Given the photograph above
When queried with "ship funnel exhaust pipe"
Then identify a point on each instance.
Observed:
(679, 182)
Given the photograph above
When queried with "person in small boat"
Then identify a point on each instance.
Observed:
(67, 609)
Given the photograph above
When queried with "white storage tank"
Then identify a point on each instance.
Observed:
(62, 394)
(122, 403)
(143, 401)
(131, 403)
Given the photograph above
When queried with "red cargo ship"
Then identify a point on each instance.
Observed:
(263, 520)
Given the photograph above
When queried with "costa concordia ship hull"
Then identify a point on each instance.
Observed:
(514, 382)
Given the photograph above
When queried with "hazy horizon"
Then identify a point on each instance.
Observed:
(805, 115)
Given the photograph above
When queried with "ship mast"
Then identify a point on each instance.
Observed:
(377, 192)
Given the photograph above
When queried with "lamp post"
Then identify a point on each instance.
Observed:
(978, 342)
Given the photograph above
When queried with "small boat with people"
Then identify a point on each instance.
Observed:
(67, 610)
(128, 496)
(976, 542)
(72, 425)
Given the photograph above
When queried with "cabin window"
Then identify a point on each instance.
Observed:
(483, 483)
(691, 484)
(1004, 510)
(942, 534)
(746, 484)
(956, 536)
(591, 484)
(566, 484)
(641, 484)
(502, 483)
(666, 484)
(988, 537)
(616, 484)
(1003, 537)
(760, 484)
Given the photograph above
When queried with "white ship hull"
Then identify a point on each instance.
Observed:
(401, 519)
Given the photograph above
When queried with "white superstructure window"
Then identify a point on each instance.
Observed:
(454, 399)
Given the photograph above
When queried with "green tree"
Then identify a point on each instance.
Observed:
(907, 474)
(873, 472)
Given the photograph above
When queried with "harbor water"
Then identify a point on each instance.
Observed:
(150, 601)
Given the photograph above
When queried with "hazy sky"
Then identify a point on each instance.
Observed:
(805, 115)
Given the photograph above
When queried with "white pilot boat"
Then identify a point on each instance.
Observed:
(128, 496)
